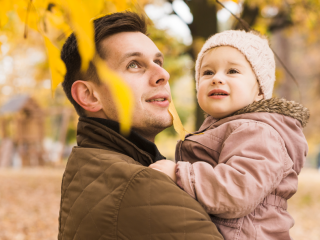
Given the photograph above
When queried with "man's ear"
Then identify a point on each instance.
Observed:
(85, 94)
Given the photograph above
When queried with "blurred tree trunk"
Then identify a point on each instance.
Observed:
(203, 26)
(282, 48)
(248, 14)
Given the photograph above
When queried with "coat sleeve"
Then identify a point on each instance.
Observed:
(252, 162)
(154, 207)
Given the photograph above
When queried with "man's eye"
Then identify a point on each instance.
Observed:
(208, 72)
(158, 62)
(233, 71)
(133, 65)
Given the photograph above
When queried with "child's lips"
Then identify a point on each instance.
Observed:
(218, 94)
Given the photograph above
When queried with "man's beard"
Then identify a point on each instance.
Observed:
(151, 126)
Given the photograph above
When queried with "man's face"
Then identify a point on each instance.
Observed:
(139, 62)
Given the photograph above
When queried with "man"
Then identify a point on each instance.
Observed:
(108, 192)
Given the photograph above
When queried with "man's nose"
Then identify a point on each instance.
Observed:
(159, 76)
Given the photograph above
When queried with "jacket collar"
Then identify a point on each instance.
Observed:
(104, 134)
(280, 106)
(273, 105)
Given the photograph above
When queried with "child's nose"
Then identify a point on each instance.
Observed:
(217, 80)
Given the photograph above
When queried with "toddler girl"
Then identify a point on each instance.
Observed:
(243, 163)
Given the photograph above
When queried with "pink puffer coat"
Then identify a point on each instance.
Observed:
(243, 168)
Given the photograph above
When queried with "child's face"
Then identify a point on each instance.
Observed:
(227, 82)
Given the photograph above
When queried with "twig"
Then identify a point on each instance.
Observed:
(243, 22)
(27, 16)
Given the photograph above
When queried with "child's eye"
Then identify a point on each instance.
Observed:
(233, 71)
(133, 64)
(208, 72)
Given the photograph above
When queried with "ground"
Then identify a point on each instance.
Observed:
(30, 198)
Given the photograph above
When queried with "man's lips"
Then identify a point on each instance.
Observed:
(218, 94)
(162, 100)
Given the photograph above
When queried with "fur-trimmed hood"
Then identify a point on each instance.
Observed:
(280, 106)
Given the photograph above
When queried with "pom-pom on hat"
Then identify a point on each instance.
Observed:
(256, 50)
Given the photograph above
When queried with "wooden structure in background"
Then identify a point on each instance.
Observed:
(22, 128)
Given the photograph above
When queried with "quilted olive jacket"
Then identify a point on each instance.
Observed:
(108, 193)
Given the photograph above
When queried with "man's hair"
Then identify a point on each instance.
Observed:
(103, 28)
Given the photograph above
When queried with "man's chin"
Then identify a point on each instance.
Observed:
(152, 124)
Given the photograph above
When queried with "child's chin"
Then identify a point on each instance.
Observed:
(219, 115)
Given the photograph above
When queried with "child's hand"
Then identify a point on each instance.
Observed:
(166, 166)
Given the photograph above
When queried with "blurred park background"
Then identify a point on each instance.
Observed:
(38, 126)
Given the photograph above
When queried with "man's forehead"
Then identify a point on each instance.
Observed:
(127, 44)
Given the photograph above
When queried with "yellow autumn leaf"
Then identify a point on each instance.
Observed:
(56, 65)
(56, 21)
(120, 92)
(121, 5)
(27, 13)
(95, 7)
(83, 30)
(177, 124)
(6, 6)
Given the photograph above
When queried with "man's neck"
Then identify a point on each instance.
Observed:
(149, 137)
(134, 137)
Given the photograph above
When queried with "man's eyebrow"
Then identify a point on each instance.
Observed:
(159, 54)
(130, 54)
(137, 54)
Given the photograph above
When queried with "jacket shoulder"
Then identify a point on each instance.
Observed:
(92, 186)
(154, 207)
(224, 130)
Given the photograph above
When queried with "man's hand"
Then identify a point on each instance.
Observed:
(166, 166)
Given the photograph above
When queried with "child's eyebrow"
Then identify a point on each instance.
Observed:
(204, 66)
(235, 63)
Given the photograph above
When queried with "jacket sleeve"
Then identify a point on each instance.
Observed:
(252, 162)
(154, 207)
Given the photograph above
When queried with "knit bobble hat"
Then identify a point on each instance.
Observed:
(256, 50)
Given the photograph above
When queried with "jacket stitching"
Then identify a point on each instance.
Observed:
(239, 210)
(122, 195)
(198, 233)
(134, 177)
(210, 135)
(274, 132)
(89, 211)
(277, 135)
(239, 229)
(82, 192)
(203, 145)
(159, 205)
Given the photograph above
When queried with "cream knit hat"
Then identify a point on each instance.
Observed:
(253, 47)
